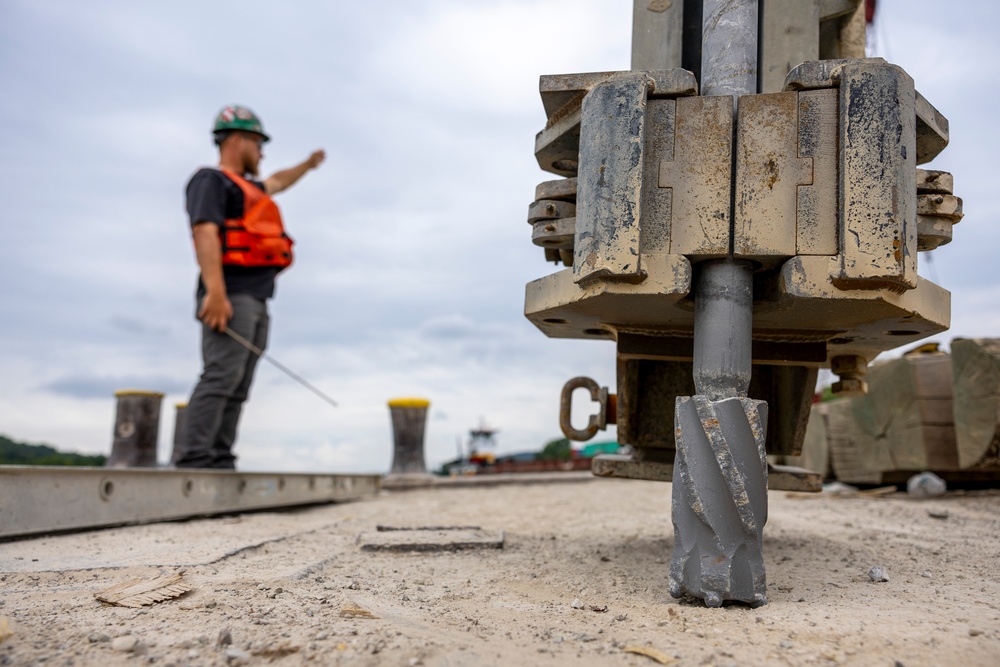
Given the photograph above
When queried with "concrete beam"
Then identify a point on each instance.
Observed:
(45, 499)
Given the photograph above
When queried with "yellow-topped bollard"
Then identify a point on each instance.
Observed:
(137, 426)
(409, 417)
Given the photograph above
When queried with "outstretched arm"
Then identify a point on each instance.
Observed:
(286, 178)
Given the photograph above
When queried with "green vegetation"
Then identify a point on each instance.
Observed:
(556, 450)
(21, 453)
(826, 394)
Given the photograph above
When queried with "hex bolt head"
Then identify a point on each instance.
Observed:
(849, 386)
(849, 364)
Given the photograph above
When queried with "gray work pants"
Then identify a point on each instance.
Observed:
(214, 409)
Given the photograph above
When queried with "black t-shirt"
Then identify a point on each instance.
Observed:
(213, 197)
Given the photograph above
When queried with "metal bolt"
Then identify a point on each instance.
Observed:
(849, 386)
(849, 364)
(851, 370)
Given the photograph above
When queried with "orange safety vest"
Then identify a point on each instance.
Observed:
(258, 238)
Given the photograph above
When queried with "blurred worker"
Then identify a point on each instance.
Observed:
(241, 246)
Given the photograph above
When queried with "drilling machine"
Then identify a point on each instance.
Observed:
(740, 209)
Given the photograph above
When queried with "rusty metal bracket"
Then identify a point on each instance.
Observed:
(605, 415)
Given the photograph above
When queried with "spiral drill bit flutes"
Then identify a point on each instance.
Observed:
(719, 500)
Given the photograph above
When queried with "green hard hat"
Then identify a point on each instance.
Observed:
(235, 117)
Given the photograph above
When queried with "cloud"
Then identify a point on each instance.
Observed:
(91, 386)
(136, 326)
(454, 327)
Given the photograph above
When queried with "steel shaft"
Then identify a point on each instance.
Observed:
(724, 290)
(729, 47)
(723, 325)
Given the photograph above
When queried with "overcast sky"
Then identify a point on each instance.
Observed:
(412, 247)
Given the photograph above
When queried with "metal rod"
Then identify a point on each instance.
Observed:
(723, 328)
(723, 325)
(729, 47)
(260, 353)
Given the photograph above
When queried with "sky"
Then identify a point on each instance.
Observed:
(412, 248)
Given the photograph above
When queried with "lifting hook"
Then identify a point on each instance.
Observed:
(607, 409)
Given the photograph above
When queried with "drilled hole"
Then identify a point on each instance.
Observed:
(840, 341)
(188, 487)
(554, 320)
(596, 332)
(901, 332)
(107, 488)
(281, 484)
(565, 164)
(242, 486)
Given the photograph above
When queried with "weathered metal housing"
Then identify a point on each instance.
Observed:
(817, 185)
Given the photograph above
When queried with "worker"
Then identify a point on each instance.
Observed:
(241, 246)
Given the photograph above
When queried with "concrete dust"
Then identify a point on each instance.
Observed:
(581, 580)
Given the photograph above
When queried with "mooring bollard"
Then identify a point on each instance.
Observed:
(180, 431)
(409, 416)
(137, 425)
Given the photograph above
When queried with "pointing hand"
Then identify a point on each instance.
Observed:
(316, 159)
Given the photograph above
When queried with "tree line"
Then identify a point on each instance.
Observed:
(23, 453)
